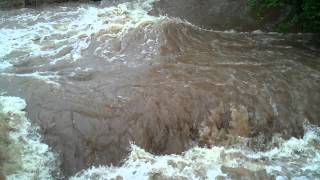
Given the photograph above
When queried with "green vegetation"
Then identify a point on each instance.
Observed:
(304, 15)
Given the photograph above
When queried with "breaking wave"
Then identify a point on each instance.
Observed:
(22, 154)
(44, 38)
(289, 159)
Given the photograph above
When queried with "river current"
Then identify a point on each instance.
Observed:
(114, 92)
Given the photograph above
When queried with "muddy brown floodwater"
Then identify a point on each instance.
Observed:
(164, 84)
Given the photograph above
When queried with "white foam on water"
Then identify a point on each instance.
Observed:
(142, 165)
(64, 33)
(34, 158)
(12, 104)
(292, 159)
(47, 38)
(48, 78)
(4, 65)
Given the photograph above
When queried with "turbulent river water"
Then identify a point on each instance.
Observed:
(113, 92)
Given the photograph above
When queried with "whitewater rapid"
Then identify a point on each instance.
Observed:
(84, 87)
(30, 158)
(22, 153)
(292, 159)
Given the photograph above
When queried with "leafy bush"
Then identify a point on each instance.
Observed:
(304, 14)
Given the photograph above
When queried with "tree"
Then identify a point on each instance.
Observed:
(304, 15)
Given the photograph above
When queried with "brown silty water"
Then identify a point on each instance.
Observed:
(161, 83)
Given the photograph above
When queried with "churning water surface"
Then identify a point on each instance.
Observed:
(92, 92)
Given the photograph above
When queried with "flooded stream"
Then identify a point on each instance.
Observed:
(114, 92)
